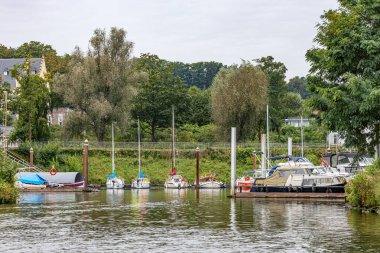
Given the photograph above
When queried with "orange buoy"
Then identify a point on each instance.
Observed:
(53, 171)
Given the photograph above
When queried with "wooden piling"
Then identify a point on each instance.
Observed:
(85, 163)
(197, 168)
(31, 165)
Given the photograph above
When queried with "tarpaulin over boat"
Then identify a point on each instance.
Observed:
(32, 178)
(59, 178)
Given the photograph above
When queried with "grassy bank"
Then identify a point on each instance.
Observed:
(156, 163)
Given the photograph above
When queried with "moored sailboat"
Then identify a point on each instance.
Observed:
(114, 182)
(174, 180)
(142, 181)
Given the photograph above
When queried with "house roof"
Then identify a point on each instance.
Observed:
(8, 65)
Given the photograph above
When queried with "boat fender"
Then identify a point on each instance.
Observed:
(53, 171)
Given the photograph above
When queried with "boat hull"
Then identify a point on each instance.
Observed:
(140, 184)
(211, 185)
(115, 183)
(309, 189)
(176, 182)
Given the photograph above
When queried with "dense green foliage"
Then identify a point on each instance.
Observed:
(31, 104)
(239, 97)
(275, 72)
(158, 94)
(199, 74)
(99, 86)
(8, 192)
(345, 71)
(299, 85)
(363, 190)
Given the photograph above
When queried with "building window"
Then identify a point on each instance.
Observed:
(60, 119)
(49, 120)
(5, 72)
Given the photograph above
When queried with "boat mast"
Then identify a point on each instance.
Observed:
(138, 137)
(173, 148)
(268, 151)
(113, 151)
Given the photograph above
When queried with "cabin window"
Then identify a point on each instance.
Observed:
(308, 182)
(343, 159)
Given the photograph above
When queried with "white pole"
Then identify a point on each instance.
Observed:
(290, 143)
(233, 159)
(173, 147)
(263, 156)
(301, 136)
(138, 137)
(268, 150)
(113, 151)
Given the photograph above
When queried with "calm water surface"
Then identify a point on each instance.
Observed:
(176, 221)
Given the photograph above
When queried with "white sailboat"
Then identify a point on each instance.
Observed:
(114, 182)
(174, 180)
(142, 182)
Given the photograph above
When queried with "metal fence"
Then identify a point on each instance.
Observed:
(178, 145)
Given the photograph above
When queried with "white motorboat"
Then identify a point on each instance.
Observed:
(208, 181)
(142, 182)
(114, 182)
(174, 180)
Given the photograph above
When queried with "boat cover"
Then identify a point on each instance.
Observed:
(113, 175)
(32, 179)
(141, 175)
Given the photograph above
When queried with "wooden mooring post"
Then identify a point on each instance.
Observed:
(31, 165)
(85, 164)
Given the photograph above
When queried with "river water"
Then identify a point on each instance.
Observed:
(177, 221)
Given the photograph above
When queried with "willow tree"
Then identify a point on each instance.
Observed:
(239, 96)
(99, 85)
(345, 72)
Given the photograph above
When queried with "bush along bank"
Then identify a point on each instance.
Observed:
(156, 163)
(8, 192)
(363, 191)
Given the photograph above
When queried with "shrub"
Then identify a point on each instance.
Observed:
(362, 190)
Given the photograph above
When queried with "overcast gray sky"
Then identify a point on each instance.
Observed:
(178, 30)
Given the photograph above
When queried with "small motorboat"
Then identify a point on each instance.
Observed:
(208, 181)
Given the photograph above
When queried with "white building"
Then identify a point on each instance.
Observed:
(297, 122)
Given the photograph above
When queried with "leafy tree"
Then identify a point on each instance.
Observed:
(299, 85)
(345, 71)
(158, 94)
(292, 105)
(199, 74)
(275, 72)
(6, 52)
(31, 103)
(99, 86)
(239, 97)
(199, 109)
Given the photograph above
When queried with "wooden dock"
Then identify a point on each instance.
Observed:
(293, 195)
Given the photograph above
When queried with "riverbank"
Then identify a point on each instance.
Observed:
(156, 163)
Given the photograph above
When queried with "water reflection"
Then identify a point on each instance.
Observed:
(163, 220)
(39, 197)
